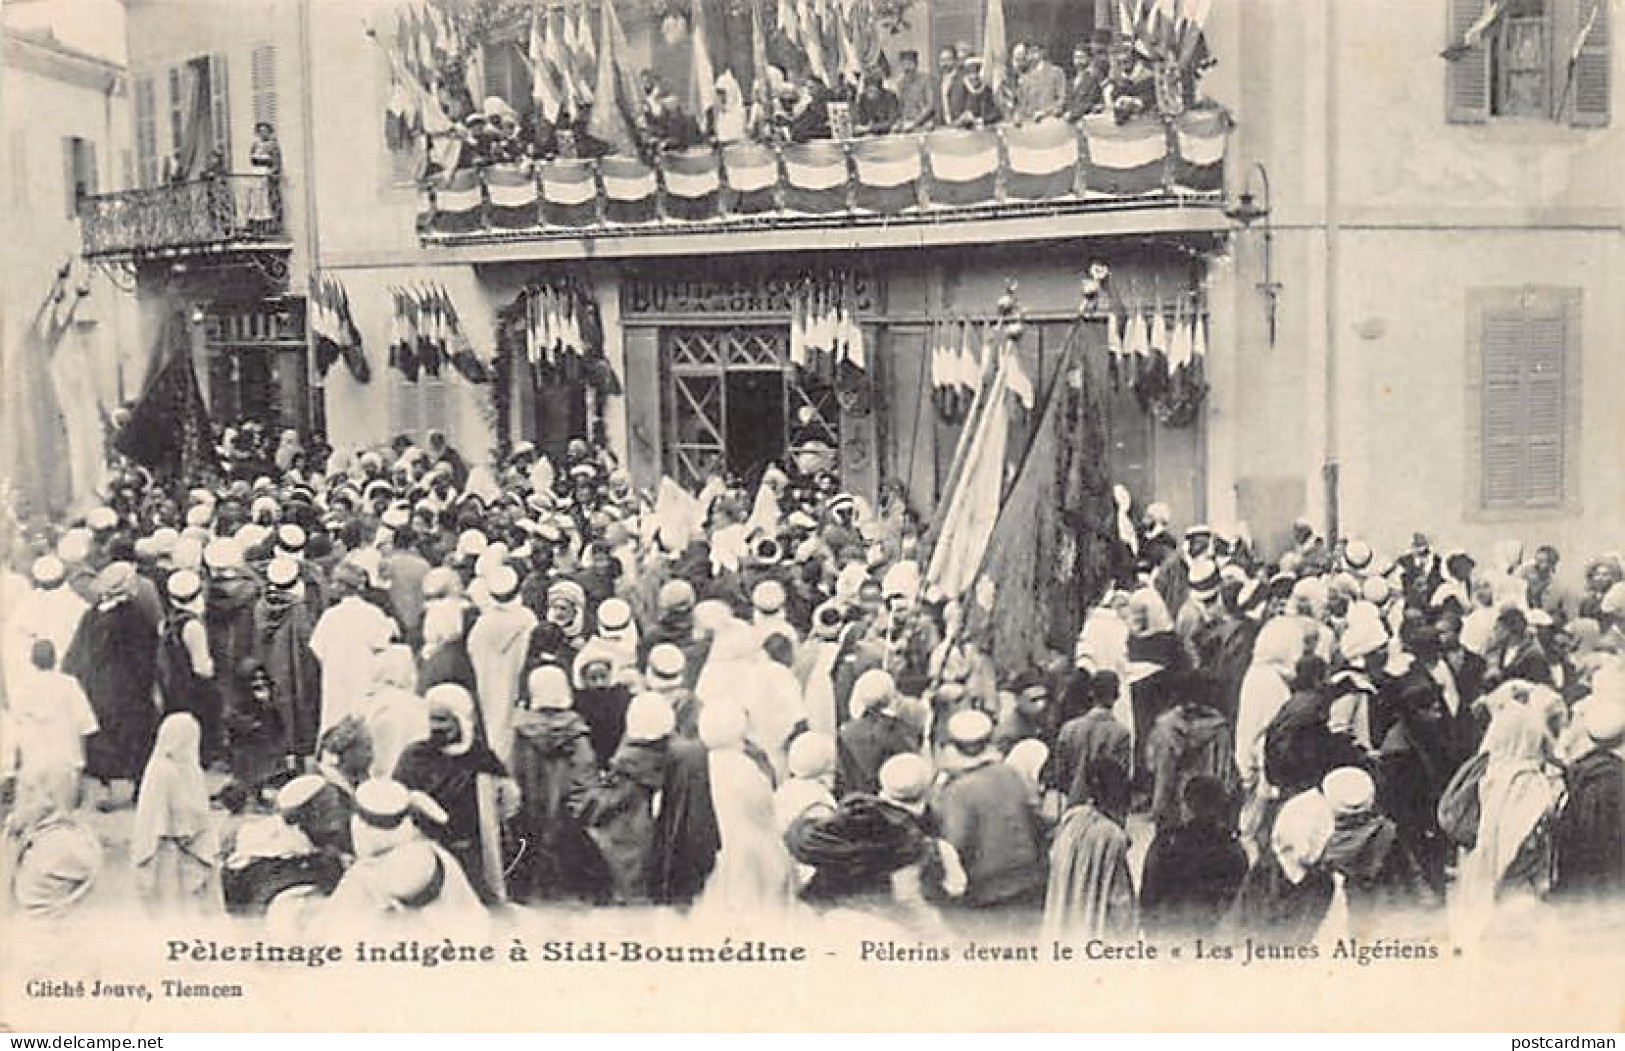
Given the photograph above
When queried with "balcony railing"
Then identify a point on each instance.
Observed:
(1052, 166)
(201, 215)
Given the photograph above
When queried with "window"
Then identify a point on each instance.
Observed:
(78, 172)
(421, 407)
(1524, 380)
(1528, 59)
(146, 131)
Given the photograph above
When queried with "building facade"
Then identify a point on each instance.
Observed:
(1404, 277)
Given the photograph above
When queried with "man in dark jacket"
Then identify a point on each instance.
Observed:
(983, 809)
(865, 743)
(1193, 870)
(1591, 832)
(1381, 877)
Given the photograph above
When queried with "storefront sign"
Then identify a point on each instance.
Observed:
(765, 296)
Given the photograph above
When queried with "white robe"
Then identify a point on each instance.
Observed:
(347, 640)
(497, 645)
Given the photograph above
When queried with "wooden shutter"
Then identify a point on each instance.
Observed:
(70, 176)
(89, 177)
(1592, 85)
(220, 107)
(1467, 79)
(262, 77)
(1545, 347)
(436, 414)
(1503, 445)
(177, 108)
(146, 132)
(955, 22)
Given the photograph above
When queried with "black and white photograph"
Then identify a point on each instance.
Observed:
(1023, 515)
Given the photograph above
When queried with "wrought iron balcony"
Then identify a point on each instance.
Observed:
(203, 215)
(1043, 169)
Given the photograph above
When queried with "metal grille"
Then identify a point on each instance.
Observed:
(697, 361)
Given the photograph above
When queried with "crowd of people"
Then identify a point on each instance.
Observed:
(1107, 75)
(395, 688)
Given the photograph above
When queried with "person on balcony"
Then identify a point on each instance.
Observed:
(917, 95)
(668, 126)
(1086, 93)
(265, 196)
(948, 74)
(1040, 85)
(801, 113)
(972, 102)
(877, 109)
(1131, 86)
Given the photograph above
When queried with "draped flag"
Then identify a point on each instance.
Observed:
(403, 334)
(1042, 160)
(995, 48)
(1124, 160)
(617, 93)
(334, 329)
(702, 80)
(974, 498)
(693, 181)
(630, 189)
(168, 429)
(32, 412)
(753, 176)
(458, 202)
(815, 177)
(545, 90)
(1200, 136)
(569, 193)
(964, 165)
(513, 194)
(888, 173)
(1475, 33)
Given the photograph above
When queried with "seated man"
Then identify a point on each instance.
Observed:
(877, 109)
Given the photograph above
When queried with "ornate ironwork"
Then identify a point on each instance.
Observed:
(216, 212)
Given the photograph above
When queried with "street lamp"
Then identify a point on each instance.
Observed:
(1246, 211)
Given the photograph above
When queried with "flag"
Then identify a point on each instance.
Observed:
(1474, 34)
(693, 180)
(702, 87)
(995, 51)
(789, 22)
(513, 195)
(964, 165)
(1200, 139)
(556, 50)
(544, 87)
(753, 174)
(1042, 160)
(1124, 160)
(587, 50)
(630, 188)
(1584, 34)
(812, 40)
(616, 89)
(889, 171)
(973, 503)
(168, 430)
(758, 50)
(815, 177)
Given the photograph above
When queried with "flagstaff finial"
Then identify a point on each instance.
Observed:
(1009, 308)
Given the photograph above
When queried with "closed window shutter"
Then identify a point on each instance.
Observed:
(89, 177)
(1467, 79)
(1503, 468)
(220, 106)
(1592, 84)
(408, 405)
(435, 403)
(262, 76)
(956, 22)
(70, 176)
(1546, 337)
(177, 108)
(146, 132)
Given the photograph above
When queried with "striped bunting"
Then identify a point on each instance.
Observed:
(513, 196)
(569, 193)
(753, 176)
(693, 183)
(964, 165)
(1125, 160)
(629, 190)
(1200, 137)
(815, 177)
(889, 171)
(1041, 160)
(457, 203)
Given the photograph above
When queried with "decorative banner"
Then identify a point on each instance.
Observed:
(815, 178)
(457, 202)
(888, 171)
(631, 193)
(693, 179)
(1199, 138)
(569, 193)
(1125, 160)
(334, 328)
(514, 196)
(425, 333)
(1042, 160)
(964, 165)
(825, 336)
(753, 174)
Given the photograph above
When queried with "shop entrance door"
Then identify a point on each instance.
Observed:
(734, 403)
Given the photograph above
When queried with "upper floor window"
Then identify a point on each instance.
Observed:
(78, 171)
(1529, 59)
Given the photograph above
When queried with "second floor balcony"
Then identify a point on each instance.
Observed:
(952, 176)
(205, 215)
